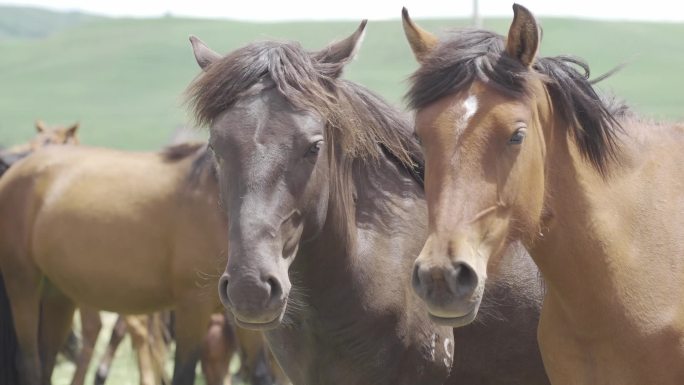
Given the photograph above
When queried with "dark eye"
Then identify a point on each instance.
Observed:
(315, 148)
(518, 136)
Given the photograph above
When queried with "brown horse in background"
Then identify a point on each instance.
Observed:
(321, 180)
(125, 232)
(45, 136)
(144, 344)
(521, 147)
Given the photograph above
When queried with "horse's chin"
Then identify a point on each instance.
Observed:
(269, 325)
(455, 321)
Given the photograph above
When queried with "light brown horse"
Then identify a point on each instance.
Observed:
(90, 318)
(521, 147)
(125, 232)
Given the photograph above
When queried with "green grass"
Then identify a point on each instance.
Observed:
(123, 79)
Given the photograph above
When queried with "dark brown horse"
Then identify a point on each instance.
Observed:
(321, 181)
(522, 147)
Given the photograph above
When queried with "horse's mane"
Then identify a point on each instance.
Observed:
(361, 127)
(467, 55)
(202, 165)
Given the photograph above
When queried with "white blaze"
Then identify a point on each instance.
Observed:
(467, 110)
(470, 107)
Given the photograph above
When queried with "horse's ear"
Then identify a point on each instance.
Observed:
(335, 56)
(203, 54)
(524, 36)
(421, 41)
(71, 131)
(40, 126)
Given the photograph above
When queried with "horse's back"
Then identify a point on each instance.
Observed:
(96, 215)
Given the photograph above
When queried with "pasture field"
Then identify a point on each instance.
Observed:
(123, 79)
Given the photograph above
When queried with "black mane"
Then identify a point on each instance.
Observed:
(467, 55)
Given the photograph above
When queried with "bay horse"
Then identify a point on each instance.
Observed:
(321, 181)
(522, 147)
(125, 232)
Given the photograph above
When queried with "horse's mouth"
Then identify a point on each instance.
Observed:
(259, 325)
(455, 322)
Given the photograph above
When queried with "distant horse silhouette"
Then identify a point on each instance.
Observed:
(45, 136)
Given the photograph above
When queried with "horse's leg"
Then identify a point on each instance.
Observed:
(218, 348)
(118, 334)
(90, 329)
(191, 326)
(159, 347)
(56, 318)
(9, 347)
(137, 329)
(23, 290)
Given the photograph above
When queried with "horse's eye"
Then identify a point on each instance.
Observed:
(315, 148)
(518, 136)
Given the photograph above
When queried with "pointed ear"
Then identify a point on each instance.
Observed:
(335, 56)
(421, 41)
(71, 131)
(40, 126)
(203, 54)
(524, 36)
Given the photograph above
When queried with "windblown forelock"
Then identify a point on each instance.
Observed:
(291, 69)
(462, 57)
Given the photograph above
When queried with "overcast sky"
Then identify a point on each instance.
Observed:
(656, 10)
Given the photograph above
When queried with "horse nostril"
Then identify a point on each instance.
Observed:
(415, 277)
(276, 289)
(223, 290)
(463, 279)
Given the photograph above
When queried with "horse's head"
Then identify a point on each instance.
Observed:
(492, 118)
(484, 150)
(46, 136)
(267, 107)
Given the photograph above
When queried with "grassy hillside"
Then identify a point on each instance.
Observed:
(25, 22)
(123, 79)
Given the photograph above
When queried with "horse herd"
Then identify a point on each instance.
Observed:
(369, 248)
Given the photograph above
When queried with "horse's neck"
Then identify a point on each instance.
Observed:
(593, 248)
(389, 210)
(372, 270)
(355, 297)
